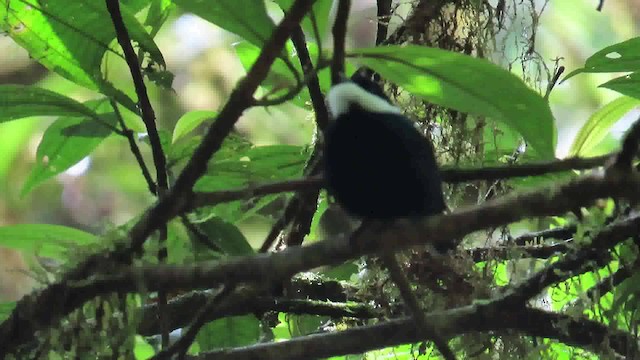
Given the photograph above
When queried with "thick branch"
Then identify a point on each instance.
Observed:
(533, 322)
(61, 298)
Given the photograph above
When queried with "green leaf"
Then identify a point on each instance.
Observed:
(45, 240)
(625, 85)
(466, 84)
(6, 308)
(159, 12)
(245, 18)
(179, 250)
(141, 349)
(320, 10)
(71, 37)
(256, 164)
(280, 78)
(227, 236)
(621, 57)
(229, 332)
(190, 121)
(19, 101)
(68, 140)
(598, 125)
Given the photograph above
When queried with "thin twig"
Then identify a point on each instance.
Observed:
(448, 175)
(409, 297)
(317, 99)
(575, 264)
(560, 233)
(516, 252)
(181, 346)
(490, 173)
(384, 15)
(339, 40)
(248, 300)
(629, 147)
(135, 150)
(146, 110)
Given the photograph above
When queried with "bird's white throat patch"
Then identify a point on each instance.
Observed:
(343, 95)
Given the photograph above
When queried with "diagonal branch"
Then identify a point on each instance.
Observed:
(146, 110)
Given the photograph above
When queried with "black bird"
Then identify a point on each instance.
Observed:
(377, 164)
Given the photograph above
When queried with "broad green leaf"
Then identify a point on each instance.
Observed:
(320, 10)
(621, 57)
(245, 18)
(20, 101)
(229, 332)
(625, 85)
(141, 349)
(233, 168)
(256, 164)
(71, 37)
(45, 240)
(466, 84)
(227, 236)
(607, 145)
(599, 124)
(6, 308)
(190, 121)
(302, 325)
(179, 250)
(68, 140)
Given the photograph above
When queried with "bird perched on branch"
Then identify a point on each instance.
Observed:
(377, 164)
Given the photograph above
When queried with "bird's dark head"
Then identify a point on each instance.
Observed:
(360, 91)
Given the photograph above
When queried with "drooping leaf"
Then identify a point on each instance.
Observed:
(466, 84)
(43, 239)
(68, 140)
(229, 332)
(226, 236)
(625, 85)
(599, 124)
(245, 18)
(71, 37)
(20, 101)
(190, 121)
(621, 57)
